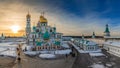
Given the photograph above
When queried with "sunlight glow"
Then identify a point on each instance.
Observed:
(15, 28)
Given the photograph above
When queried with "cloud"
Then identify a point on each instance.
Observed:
(14, 12)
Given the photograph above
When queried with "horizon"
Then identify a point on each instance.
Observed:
(78, 16)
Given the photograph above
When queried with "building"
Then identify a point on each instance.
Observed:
(112, 48)
(28, 27)
(93, 35)
(42, 35)
(89, 45)
(86, 45)
(2, 37)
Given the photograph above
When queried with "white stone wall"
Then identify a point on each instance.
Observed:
(112, 49)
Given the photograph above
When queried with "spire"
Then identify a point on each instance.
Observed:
(94, 33)
(107, 29)
(42, 13)
(54, 25)
(42, 18)
(107, 32)
(82, 36)
(33, 23)
(28, 15)
(93, 36)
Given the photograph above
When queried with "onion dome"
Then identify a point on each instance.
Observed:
(34, 28)
(54, 28)
(46, 35)
(38, 43)
(28, 15)
(57, 42)
(43, 19)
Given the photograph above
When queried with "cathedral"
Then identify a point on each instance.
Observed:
(42, 35)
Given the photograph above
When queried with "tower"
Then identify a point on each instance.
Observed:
(2, 36)
(82, 36)
(107, 32)
(43, 20)
(43, 23)
(93, 35)
(28, 24)
(28, 27)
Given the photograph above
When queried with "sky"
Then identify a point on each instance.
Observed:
(71, 17)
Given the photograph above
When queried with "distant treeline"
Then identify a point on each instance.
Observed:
(12, 37)
(84, 36)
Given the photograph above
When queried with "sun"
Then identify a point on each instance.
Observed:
(15, 28)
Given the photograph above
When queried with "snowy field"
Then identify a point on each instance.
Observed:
(8, 49)
(66, 51)
(47, 56)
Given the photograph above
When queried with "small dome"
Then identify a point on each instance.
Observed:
(28, 15)
(46, 35)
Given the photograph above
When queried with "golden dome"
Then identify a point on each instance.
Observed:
(43, 19)
(28, 15)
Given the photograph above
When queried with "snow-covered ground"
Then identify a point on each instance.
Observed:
(66, 51)
(97, 66)
(48, 56)
(8, 49)
(96, 54)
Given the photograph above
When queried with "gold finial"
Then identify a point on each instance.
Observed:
(42, 18)
(28, 15)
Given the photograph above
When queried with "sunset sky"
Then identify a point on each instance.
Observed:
(71, 17)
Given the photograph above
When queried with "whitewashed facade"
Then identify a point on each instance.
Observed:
(112, 48)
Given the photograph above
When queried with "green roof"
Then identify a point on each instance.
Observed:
(34, 29)
(46, 35)
(107, 29)
(38, 43)
(57, 43)
(33, 32)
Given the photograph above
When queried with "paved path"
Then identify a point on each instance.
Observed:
(36, 62)
(82, 59)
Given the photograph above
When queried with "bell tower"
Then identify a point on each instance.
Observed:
(28, 24)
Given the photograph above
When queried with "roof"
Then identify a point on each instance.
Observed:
(38, 43)
(107, 29)
(112, 37)
(46, 35)
(57, 43)
(113, 43)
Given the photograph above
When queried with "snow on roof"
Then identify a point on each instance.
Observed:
(96, 51)
(96, 54)
(113, 43)
(111, 36)
(47, 56)
(91, 43)
(30, 52)
(67, 51)
(65, 45)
